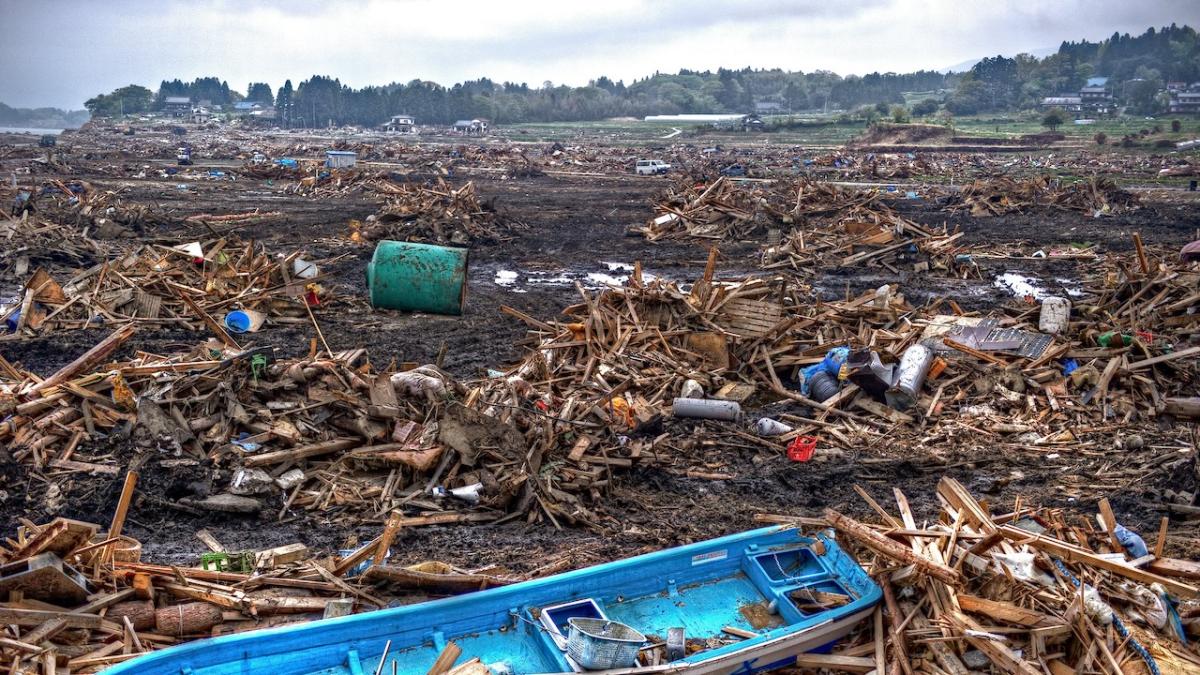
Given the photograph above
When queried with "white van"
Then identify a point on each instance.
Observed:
(651, 167)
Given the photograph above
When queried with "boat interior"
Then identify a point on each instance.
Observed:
(737, 593)
(757, 593)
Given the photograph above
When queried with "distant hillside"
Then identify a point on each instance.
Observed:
(968, 65)
(42, 118)
(1135, 69)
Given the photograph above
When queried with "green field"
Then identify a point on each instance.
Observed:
(818, 131)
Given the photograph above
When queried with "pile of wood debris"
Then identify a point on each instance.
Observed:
(28, 242)
(78, 598)
(438, 214)
(807, 225)
(598, 392)
(1032, 591)
(997, 196)
(104, 214)
(179, 285)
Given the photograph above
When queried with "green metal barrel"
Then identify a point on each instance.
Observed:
(418, 277)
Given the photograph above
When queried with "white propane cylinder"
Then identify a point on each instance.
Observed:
(1056, 312)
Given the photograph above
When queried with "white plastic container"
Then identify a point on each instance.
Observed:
(1056, 313)
(304, 269)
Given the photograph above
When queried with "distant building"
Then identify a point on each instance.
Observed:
(340, 159)
(246, 107)
(401, 124)
(699, 118)
(768, 108)
(1067, 103)
(1185, 102)
(177, 106)
(475, 127)
(1095, 96)
(200, 115)
(1176, 86)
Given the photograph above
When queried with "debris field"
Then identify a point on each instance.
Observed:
(983, 378)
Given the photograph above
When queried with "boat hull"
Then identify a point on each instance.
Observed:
(763, 583)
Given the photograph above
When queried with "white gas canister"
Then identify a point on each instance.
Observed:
(1056, 313)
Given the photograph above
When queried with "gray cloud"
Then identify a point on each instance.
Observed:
(60, 52)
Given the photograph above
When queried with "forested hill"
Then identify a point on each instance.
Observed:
(1138, 67)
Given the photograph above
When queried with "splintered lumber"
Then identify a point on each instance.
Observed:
(1174, 567)
(836, 663)
(448, 582)
(1072, 553)
(888, 547)
(998, 653)
(118, 521)
(36, 617)
(390, 529)
(1004, 611)
(86, 361)
(1164, 358)
(445, 660)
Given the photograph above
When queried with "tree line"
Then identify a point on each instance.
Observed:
(1137, 68)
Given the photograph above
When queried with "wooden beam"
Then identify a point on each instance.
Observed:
(1163, 358)
(90, 358)
(886, 547)
(1072, 553)
(118, 521)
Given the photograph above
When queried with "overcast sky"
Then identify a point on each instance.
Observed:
(61, 52)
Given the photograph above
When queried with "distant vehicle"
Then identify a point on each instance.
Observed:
(47, 140)
(183, 156)
(734, 171)
(258, 158)
(651, 167)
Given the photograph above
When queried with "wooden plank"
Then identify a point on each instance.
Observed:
(37, 617)
(1175, 567)
(1005, 611)
(86, 361)
(848, 664)
(1162, 537)
(1138, 365)
(1072, 553)
(118, 521)
(445, 660)
(1110, 525)
(385, 540)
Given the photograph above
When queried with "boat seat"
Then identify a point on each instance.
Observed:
(554, 619)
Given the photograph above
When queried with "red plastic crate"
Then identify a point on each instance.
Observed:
(802, 448)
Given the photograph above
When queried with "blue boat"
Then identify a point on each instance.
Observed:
(780, 592)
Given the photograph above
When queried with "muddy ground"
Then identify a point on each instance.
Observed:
(577, 231)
